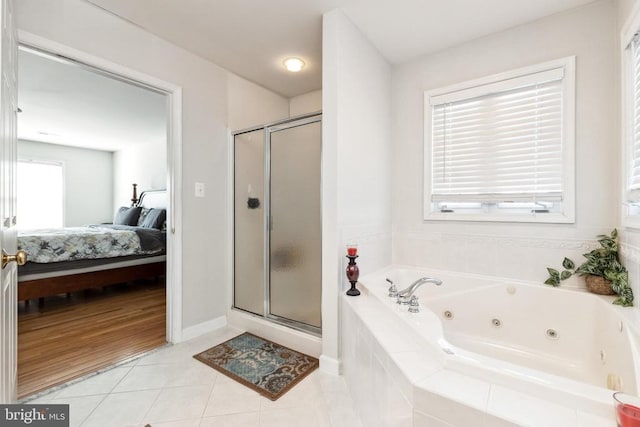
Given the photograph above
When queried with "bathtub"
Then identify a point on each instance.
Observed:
(490, 351)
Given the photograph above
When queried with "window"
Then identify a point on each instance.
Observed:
(631, 193)
(501, 148)
(40, 195)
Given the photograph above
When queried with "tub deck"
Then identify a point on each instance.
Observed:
(407, 369)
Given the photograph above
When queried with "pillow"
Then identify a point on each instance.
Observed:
(127, 216)
(154, 219)
(143, 214)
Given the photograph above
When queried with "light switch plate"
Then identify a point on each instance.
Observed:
(199, 189)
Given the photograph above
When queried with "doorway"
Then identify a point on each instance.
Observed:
(168, 314)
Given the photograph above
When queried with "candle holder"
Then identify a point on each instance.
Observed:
(352, 249)
(627, 409)
(353, 272)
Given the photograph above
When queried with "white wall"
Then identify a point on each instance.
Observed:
(625, 7)
(251, 105)
(509, 249)
(88, 180)
(80, 25)
(309, 102)
(142, 164)
(356, 171)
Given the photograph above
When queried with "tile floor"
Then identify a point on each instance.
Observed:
(169, 388)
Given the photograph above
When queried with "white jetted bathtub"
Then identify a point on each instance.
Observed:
(490, 351)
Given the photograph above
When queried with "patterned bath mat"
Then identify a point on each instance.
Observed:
(266, 367)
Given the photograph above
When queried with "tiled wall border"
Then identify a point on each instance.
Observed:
(501, 241)
(630, 253)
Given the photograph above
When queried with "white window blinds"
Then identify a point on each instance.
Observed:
(633, 186)
(499, 142)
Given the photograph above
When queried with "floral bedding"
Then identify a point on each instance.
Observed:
(93, 242)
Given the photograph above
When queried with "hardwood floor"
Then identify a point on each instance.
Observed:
(63, 338)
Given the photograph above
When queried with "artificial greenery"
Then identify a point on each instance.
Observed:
(602, 262)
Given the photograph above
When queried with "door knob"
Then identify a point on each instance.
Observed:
(20, 257)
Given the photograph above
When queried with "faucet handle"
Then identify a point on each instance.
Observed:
(393, 291)
(402, 300)
(414, 304)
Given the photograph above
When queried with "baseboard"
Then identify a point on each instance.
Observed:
(203, 328)
(329, 365)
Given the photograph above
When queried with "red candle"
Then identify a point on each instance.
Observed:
(628, 415)
(352, 250)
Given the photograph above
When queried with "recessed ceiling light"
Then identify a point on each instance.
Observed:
(294, 64)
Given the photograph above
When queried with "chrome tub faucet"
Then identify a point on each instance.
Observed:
(404, 296)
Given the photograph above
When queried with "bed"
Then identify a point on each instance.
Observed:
(78, 258)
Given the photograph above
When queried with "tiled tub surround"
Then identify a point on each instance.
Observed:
(461, 369)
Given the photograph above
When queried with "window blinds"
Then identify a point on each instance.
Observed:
(499, 142)
(633, 193)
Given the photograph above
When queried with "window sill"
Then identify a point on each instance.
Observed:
(631, 221)
(548, 218)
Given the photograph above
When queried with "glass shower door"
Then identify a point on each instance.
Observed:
(295, 224)
(249, 222)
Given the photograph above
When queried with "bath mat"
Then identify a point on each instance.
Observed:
(260, 364)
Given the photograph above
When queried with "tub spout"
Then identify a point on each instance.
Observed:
(404, 296)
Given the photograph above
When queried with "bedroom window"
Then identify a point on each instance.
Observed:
(40, 194)
(501, 148)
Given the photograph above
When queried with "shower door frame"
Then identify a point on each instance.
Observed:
(268, 129)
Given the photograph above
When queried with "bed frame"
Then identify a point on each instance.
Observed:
(50, 286)
(44, 287)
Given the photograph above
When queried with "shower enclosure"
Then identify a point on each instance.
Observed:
(277, 223)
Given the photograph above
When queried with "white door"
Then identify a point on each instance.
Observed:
(8, 162)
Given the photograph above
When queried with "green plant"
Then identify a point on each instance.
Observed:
(602, 262)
